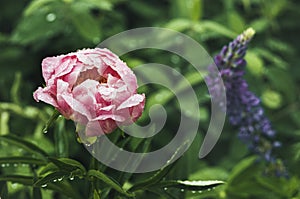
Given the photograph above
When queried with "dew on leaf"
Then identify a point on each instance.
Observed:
(50, 17)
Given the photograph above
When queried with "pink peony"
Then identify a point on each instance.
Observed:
(94, 88)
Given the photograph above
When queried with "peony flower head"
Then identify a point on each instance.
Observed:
(92, 87)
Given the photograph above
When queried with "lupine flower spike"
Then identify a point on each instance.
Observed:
(244, 109)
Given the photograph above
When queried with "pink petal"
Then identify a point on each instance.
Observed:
(132, 101)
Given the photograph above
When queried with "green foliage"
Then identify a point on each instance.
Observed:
(40, 156)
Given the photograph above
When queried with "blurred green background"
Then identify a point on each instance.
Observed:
(33, 30)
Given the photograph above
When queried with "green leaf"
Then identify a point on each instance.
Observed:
(36, 193)
(236, 22)
(274, 184)
(103, 4)
(260, 24)
(64, 188)
(15, 89)
(209, 173)
(35, 5)
(189, 185)
(43, 28)
(25, 180)
(22, 160)
(86, 25)
(254, 63)
(191, 9)
(288, 88)
(61, 139)
(49, 168)
(96, 195)
(52, 177)
(273, 58)
(101, 176)
(179, 24)
(67, 164)
(157, 177)
(28, 146)
(4, 123)
(3, 189)
(271, 99)
(242, 170)
(51, 120)
(218, 28)
(54, 182)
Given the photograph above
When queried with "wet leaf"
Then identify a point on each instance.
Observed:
(101, 176)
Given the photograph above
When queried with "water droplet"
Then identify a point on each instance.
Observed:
(199, 191)
(165, 188)
(55, 180)
(175, 59)
(7, 164)
(96, 40)
(50, 17)
(60, 179)
(3, 165)
(182, 190)
(208, 189)
(87, 144)
(71, 178)
(193, 191)
(15, 165)
(14, 185)
(24, 165)
(44, 185)
(45, 131)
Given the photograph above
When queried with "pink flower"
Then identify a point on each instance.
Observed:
(94, 88)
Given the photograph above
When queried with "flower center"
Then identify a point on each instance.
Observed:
(90, 74)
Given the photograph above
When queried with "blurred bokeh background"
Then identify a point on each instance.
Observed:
(33, 30)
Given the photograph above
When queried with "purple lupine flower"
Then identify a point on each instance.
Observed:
(243, 107)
